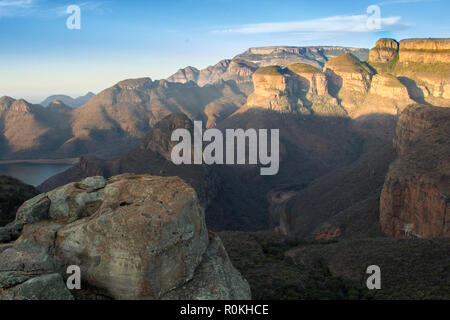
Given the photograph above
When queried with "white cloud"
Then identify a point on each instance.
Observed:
(16, 3)
(16, 8)
(349, 23)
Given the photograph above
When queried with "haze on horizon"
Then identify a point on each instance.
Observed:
(119, 40)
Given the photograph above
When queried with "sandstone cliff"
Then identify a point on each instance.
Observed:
(422, 65)
(386, 50)
(425, 51)
(415, 200)
(349, 80)
(274, 90)
(133, 236)
(296, 88)
(387, 95)
(312, 88)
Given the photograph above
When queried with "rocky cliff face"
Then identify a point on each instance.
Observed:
(386, 50)
(311, 85)
(133, 236)
(296, 88)
(425, 51)
(387, 96)
(273, 90)
(349, 80)
(415, 200)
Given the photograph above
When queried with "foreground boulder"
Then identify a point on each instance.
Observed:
(415, 200)
(133, 237)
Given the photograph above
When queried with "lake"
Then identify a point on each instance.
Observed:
(32, 173)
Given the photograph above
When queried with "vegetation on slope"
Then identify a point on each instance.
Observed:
(302, 68)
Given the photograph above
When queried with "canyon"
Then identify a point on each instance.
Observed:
(363, 148)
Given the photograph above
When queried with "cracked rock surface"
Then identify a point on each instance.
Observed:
(133, 237)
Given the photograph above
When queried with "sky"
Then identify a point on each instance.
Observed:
(117, 40)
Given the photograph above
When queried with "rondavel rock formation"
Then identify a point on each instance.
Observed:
(133, 236)
(374, 95)
(298, 87)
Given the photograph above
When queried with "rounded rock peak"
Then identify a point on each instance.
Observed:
(302, 68)
(387, 43)
(270, 70)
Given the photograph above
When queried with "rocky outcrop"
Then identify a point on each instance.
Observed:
(312, 88)
(12, 194)
(349, 80)
(296, 88)
(386, 50)
(415, 200)
(387, 95)
(274, 90)
(133, 236)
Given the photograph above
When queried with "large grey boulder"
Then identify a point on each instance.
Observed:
(133, 237)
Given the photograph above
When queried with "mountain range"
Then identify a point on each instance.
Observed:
(364, 173)
(67, 100)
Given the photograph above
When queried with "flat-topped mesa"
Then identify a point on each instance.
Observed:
(349, 80)
(385, 51)
(425, 50)
(424, 66)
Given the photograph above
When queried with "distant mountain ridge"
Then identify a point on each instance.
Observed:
(69, 101)
(317, 81)
(241, 67)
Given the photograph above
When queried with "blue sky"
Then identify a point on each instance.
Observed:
(40, 56)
